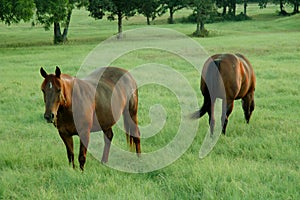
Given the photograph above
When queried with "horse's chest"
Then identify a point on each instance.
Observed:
(65, 124)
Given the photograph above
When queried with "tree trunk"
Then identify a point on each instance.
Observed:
(296, 7)
(245, 7)
(66, 29)
(233, 8)
(57, 33)
(120, 17)
(281, 6)
(224, 10)
(148, 20)
(200, 25)
(171, 19)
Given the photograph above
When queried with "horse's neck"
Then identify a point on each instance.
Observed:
(68, 83)
(73, 86)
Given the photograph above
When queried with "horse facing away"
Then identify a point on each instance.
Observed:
(228, 77)
(80, 106)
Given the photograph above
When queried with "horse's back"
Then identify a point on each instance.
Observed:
(234, 70)
(114, 89)
(248, 71)
(107, 74)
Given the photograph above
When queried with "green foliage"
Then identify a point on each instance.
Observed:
(15, 11)
(172, 6)
(202, 9)
(55, 12)
(282, 4)
(124, 8)
(150, 9)
(52, 11)
(49, 12)
(115, 8)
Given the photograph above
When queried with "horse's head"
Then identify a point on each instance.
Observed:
(52, 88)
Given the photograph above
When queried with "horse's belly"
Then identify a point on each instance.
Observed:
(95, 126)
(67, 129)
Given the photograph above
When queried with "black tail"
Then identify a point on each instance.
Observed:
(210, 78)
(198, 114)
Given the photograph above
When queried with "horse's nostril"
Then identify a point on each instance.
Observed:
(49, 117)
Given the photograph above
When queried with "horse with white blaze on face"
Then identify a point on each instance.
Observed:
(228, 77)
(80, 106)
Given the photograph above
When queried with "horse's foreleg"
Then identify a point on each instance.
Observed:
(108, 135)
(68, 141)
(227, 108)
(84, 141)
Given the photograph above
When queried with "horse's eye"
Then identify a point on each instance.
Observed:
(58, 90)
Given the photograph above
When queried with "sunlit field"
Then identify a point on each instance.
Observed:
(256, 161)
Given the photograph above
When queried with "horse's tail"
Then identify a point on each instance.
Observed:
(211, 82)
(132, 134)
(131, 126)
(127, 126)
(199, 113)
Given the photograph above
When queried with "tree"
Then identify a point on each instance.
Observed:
(150, 9)
(231, 5)
(245, 7)
(295, 3)
(116, 8)
(282, 3)
(16, 10)
(55, 12)
(202, 9)
(223, 4)
(172, 6)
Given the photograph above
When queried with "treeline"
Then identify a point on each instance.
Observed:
(57, 13)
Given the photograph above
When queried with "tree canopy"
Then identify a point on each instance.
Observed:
(57, 13)
(202, 9)
(173, 6)
(115, 8)
(150, 9)
(16, 10)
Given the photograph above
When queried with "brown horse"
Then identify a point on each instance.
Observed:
(80, 106)
(228, 77)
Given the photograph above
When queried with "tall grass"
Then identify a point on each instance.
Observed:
(256, 161)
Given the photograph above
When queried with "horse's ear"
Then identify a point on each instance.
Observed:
(57, 72)
(43, 73)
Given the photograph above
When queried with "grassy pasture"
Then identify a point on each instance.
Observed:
(256, 161)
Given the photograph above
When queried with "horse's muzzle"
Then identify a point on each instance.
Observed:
(49, 117)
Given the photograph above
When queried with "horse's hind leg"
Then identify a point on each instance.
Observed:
(227, 107)
(211, 115)
(108, 135)
(248, 106)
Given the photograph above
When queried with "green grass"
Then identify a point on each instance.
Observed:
(256, 161)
